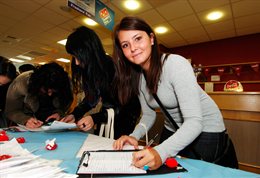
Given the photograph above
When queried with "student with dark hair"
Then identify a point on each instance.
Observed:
(26, 67)
(143, 70)
(36, 96)
(7, 75)
(93, 73)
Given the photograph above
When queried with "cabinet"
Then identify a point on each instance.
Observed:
(246, 73)
(241, 113)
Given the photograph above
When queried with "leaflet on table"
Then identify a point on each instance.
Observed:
(22, 163)
(55, 126)
(108, 162)
(94, 142)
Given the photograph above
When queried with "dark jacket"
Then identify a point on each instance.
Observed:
(21, 106)
(125, 116)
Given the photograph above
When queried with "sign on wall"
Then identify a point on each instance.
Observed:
(95, 10)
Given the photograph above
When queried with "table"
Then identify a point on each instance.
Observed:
(69, 142)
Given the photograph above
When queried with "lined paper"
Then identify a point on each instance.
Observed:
(110, 162)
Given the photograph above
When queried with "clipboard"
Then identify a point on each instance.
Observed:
(87, 164)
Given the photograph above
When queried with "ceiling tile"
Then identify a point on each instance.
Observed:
(171, 39)
(157, 3)
(49, 16)
(10, 13)
(220, 27)
(246, 7)
(194, 33)
(222, 34)
(152, 17)
(247, 21)
(26, 6)
(201, 5)
(61, 7)
(184, 23)
(248, 30)
(175, 9)
(29, 27)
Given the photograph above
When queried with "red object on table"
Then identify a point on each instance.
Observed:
(20, 140)
(3, 157)
(3, 136)
(51, 144)
(171, 162)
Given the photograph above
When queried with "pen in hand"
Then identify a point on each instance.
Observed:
(151, 141)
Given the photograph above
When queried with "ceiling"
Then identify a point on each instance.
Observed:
(33, 27)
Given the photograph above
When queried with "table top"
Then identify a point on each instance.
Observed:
(69, 143)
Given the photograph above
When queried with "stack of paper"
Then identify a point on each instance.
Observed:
(24, 164)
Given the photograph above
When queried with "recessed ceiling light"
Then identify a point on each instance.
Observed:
(132, 4)
(42, 63)
(25, 57)
(160, 29)
(62, 42)
(63, 60)
(90, 22)
(214, 15)
(16, 60)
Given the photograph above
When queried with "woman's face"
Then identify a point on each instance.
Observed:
(4, 80)
(136, 46)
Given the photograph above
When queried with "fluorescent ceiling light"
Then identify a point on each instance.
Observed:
(16, 60)
(214, 15)
(132, 4)
(63, 60)
(62, 42)
(24, 57)
(90, 22)
(161, 30)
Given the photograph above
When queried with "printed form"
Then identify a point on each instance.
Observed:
(108, 162)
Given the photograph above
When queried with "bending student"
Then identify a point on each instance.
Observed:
(144, 71)
(93, 73)
(38, 95)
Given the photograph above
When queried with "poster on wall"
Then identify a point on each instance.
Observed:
(96, 10)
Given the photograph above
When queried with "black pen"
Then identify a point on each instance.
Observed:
(82, 159)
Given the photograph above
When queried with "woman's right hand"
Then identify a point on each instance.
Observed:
(33, 123)
(119, 143)
(68, 119)
(86, 123)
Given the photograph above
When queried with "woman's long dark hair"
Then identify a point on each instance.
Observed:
(128, 74)
(91, 74)
(51, 76)
(7, 68)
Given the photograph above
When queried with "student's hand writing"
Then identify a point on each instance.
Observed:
(55, 116)
(86, 123)
(68, 119)
(33, 123)
(149, 157)
(119, 143)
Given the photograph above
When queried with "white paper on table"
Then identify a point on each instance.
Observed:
(94, 142)
(114, 162)
(12, 147)
(55, 126)
(24, 164)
